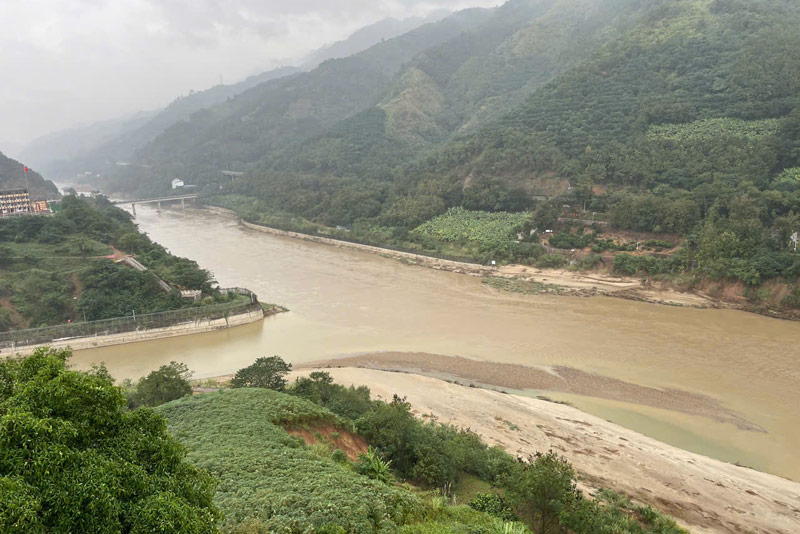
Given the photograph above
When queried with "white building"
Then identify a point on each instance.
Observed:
(176, 183)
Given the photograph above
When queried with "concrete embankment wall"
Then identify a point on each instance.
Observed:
(436, 263)
(197, 326)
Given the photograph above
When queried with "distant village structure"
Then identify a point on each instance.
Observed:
(176, 183)
(16, 202)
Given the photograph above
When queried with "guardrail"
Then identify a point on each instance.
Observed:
(118, 325)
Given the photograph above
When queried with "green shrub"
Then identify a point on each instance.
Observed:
(168, 383)
(372, 465)
(551, 261)
(494, 505)
(73, 459)
(568, 240)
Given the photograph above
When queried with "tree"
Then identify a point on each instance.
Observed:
(74, 459)
(542, 489)
(269, 373)
(168, 383)
(319, 388)
(80, 244)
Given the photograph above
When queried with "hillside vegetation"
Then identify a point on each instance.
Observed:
(268, 476)
(673, 121)
(270, 481)
(100, 146)
(55, 269)
(76, 456)
(12, 176)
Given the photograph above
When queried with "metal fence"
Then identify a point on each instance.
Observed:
(132, 323)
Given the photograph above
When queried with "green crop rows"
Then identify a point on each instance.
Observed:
(269, 477)
(487, 229)
(710, 129)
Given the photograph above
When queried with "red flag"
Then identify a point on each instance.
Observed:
(26, 168)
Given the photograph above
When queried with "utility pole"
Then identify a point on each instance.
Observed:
(28, 190)
(795, 238)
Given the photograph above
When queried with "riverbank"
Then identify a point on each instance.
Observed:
(563, 379)
(195, 326)
(564, 282)
(706, 495)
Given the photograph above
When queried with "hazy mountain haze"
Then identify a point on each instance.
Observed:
(78, 61)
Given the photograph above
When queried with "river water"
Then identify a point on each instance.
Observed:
(346, 302)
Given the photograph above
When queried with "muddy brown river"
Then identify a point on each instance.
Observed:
(346, 302)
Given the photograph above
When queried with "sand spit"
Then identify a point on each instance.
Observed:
(706, 495)
(557, 378)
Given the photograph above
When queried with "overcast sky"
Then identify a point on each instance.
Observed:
(68, 62)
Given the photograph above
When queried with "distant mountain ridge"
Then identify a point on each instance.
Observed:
(95, 146)
(369, 36)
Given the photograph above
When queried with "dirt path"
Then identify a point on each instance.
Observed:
(708, 496)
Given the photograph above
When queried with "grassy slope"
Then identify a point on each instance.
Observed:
(267, 475)
(46, 279)
(271, 481)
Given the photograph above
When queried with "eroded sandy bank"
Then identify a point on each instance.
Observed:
(552, 378)
(707, 495)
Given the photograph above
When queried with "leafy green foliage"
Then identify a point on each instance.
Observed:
(166, 384)
(269, 373)
(493, 504)
(268, 478)
(349, 402)
(569, 240)
(372, 465)
(544, 494)
(72, 459)
(710, 129)
(54, 270)
(116, 291)
(542, 489)
(489, 230)
(428, 453)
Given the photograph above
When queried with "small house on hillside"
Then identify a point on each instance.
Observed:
(176, 183)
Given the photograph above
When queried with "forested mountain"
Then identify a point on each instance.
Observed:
(664, 116)
(54, 151)
(240, 132)
(99, 146)
(12, 176)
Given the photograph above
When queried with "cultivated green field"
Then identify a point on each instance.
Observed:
(488, 230)
(272, 482)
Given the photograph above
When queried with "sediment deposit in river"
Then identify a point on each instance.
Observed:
(707, 495)
(345, 302)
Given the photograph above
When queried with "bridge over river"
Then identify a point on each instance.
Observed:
(156, 201)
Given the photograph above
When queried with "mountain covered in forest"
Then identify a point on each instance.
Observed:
(555, 77)
(102, 145)
(675, 117)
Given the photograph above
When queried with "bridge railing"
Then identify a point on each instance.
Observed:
(157, 199)
(118, 325)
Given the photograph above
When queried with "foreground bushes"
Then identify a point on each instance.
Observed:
(269, 480)
(73, 459)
